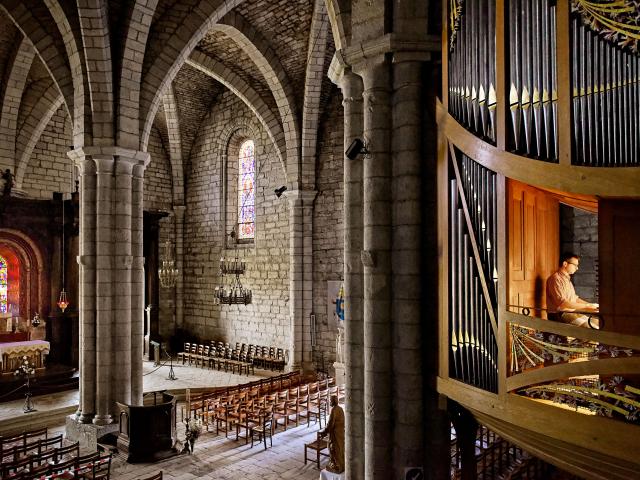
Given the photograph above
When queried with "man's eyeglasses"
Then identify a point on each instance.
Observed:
(577, 265)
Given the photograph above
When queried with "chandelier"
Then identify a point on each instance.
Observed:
(233, 293)
(62, 302)
(168, 273)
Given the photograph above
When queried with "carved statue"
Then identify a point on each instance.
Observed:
(340, 345)
(335, 430)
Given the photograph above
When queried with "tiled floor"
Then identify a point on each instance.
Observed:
(215, 457)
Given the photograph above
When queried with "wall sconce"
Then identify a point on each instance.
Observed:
(356, 148)
(280, 191)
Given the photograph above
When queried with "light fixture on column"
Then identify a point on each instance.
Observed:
(168, 272)
(62, 302)
(233, 293)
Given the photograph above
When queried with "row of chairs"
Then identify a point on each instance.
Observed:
(267, 385)
(308, 401)
(22, 438)
(223, 355)
(48, 448)
(210, 356)
(66, 464)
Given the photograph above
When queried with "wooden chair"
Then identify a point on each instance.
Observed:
(17, 468)
(319, 445)
(317, 409)
(280, 413)
(184, 355)
(49, 444)
(247, 419)
(37, 434)
(63, 466)
(227, 416)
(38, 471)
(262, 430)
(69, 452)
(100, 468)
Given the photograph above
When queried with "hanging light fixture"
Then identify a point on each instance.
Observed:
(168, 273)
(234, 293)
(63, 303)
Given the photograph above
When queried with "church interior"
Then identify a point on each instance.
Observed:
(380, 240)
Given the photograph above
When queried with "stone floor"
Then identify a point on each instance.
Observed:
(215, 457)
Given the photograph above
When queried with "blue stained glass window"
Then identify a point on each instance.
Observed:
(247, 191)
(3, 286)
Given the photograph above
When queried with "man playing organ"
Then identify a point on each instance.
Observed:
(562, 302)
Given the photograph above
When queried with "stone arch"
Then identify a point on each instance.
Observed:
(12, 97)
(248, 95)
(268, 63)
(139, 23)
(175, 145)
(175, 51)
(94, 25)
(34, 125)
(46, 47)
(82, 124)
(312, 92)
(35, 282)
(340, 18)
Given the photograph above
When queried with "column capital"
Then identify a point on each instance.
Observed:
(134, 156)
(306, 197)
(397, 45)
(178, 210)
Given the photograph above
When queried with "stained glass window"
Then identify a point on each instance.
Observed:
(3, 286)
(247, 191)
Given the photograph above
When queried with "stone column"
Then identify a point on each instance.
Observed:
(179, 210)
(376, 257)
(137, 278)
(104, 291)
(87, 287)
(351, 87)
(406, 258)
(111, 281)
(300, 275)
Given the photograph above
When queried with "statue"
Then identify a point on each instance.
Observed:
(335, 430)
(7, 176)
(340, 345)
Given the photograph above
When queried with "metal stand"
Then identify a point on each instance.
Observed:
(172, 374)
(28, 405)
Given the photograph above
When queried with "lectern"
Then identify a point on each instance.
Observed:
(148, 432)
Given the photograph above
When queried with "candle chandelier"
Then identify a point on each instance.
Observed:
(168, 273)
(62, 302)
(233, 293)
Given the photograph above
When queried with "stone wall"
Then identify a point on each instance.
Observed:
(266, 320)
(50, 169)
(579, 234)
(158, 196)
(328, 241)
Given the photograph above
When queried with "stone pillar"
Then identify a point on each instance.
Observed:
(376, 257)
(351, 87)
(105, 287)
(87, 288)
(179, 210)
(300, 275)
(137, 277)
(111, 281)
(406, 258)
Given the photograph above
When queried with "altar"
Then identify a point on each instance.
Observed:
(11, 354)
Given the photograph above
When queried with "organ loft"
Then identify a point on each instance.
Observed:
(243, 239)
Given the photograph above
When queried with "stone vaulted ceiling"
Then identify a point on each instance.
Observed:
(258, 46)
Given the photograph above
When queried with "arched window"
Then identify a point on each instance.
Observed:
(3, 286)
(247, 191)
